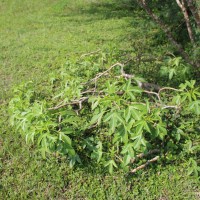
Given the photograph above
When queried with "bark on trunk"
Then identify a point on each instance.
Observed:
(195, 11)
(187, 19)
(168, 32)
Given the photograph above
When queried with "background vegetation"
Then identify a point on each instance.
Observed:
(38, 40)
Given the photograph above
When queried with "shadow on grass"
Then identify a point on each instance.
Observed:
(109, 10)
(102, 10)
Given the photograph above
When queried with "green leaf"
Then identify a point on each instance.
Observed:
(144, 142)
(130, 124)
(136, 114)
(131, 95)
(95, 104)
(191, 83)
(141, 109)
(177, 99)
(127, 114)
(134, 111)
(120, 119)
(110, 168)
(67, 130)
(73, 159)
(140, 125)
(177, 136)
(71, 151)
(113, 124)
(127, 160)
(128, 149)
(161, 130)
(195, 107)
(136, 89)
(41, 138)
(177, 61)
(113, 118)
(97, 118)
(110, 164)
(43, 152)
(30, 136)
(97, 152)
(148, 106)
(137, 143)
(139, 129)
(193, 167)
(65, 138)
(171, 73)
(125, 137)
(146, 127)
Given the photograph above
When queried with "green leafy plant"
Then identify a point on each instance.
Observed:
(110, 119)
(174, 68)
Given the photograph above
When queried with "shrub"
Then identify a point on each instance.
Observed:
(112, 119)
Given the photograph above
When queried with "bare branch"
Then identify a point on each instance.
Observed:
(89, 91)
(145, 165)
(168, 88)
(59, 121)
(186, 17)
(74, 102)
(141, 155)
(168, 32)
(165, 107)
(90, 53)
(195, 11)
(143, 85)
(149, 92)
(105, 72)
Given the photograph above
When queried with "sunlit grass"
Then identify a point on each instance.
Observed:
(36, 38)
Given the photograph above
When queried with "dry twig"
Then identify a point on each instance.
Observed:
(59, 121)
(165, 107)
(124, 75)
(90, 53)
(168, 88)
(74, 102)
(105, 72)
(155, 93)
(145, 165)
(141, 155)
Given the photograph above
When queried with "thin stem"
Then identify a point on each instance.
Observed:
(145, 165)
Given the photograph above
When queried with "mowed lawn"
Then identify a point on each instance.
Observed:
(36, 38)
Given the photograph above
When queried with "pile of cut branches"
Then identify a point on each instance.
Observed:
(114, 119)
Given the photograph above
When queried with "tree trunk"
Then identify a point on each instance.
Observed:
(193, 6)
(168, 33)
(187, 19)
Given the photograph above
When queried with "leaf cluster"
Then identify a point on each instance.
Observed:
(108, 120)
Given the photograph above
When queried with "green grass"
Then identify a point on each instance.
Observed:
(36, 38)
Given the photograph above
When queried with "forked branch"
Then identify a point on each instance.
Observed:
(148, 88)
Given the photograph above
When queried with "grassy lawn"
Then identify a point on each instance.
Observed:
(36, 38)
